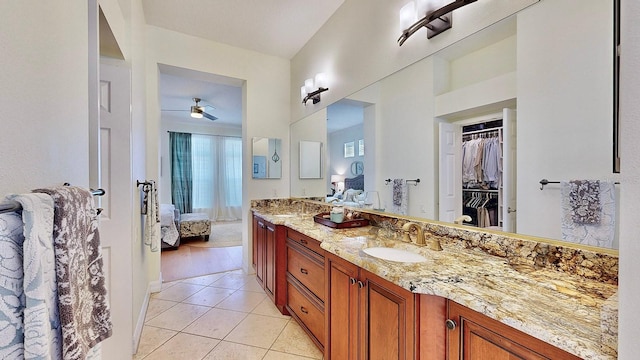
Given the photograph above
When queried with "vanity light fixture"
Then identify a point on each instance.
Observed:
(313, 87)
(437, 18)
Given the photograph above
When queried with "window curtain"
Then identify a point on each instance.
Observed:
(181, 171)
(217, 176)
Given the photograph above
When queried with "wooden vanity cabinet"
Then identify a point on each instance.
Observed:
(268, 260)
(478, 337)
(368, 317)
(306, 285)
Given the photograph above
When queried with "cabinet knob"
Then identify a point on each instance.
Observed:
(304, 271)
(303, 241)
(360, 284)
(450, 324)
(304, 310)
(353, 281)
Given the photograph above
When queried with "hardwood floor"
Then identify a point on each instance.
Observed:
(190, 261)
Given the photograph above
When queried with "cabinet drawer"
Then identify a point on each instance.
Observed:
(304, 240)
(309, 314)
(307, 267)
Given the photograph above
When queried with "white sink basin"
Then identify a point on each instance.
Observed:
(393, 254)
(285, 215)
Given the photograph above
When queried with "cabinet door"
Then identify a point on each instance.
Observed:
(270, 260)
(260, 251)
(254, 243)
(478, 337)
(388, 320)
(342, 309)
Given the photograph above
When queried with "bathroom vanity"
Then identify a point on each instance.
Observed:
(484, 296)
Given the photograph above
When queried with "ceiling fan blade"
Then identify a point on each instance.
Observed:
(209, 116)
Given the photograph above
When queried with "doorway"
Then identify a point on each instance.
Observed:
(201, 114)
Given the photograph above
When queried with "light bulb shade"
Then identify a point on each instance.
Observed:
(424, 7)
(407, 16)
(308, 85)
(335, 179)
(196, 112)
(321, 81)
(303, 92)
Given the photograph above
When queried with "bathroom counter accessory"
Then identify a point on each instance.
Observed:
(323, 219)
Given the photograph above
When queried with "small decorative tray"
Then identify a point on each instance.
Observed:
(323, 218)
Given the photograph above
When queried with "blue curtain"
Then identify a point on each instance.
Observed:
(181, 172)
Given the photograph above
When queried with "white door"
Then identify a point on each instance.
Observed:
(509, 170)
(115, 220)
(450, 172)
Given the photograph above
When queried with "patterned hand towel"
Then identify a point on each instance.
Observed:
(400, 196)
(584, 199)
(151, 237)
(84, 310)
(43, 333)
(600, 234)
(11, 289)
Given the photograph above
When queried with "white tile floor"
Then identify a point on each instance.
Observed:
(220, 316)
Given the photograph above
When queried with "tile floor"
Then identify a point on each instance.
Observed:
(220, 316)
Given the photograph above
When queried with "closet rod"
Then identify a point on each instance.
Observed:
(544, 182)
(483, 131)
(11, 206)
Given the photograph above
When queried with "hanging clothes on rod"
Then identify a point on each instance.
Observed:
(481, 165)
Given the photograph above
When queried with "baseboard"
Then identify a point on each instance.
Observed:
(152, 287)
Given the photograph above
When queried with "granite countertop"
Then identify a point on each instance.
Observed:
(558, 308)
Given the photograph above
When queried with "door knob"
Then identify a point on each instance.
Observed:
(510, 210)
(450, 324)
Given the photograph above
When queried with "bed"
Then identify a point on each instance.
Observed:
(169, 225)
(353, 193)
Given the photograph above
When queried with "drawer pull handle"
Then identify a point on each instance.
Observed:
(303, 241)
(360, 284)
(353, 281)
(304, 310)
(304, 271)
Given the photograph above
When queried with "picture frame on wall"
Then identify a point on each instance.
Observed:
(349, 149)
(361, 147)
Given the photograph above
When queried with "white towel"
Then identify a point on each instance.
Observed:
(400, 197)
(601, 234)
(42, 328)
(11, 289)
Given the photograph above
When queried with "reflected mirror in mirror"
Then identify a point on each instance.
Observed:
(310, 160)
(266, 158)
(516, 71)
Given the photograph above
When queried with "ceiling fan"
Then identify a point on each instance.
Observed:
(198, 111)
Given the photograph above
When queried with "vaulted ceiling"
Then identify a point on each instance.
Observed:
(273, 27)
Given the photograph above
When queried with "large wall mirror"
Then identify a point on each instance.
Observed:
(551, 87)
(267, 158)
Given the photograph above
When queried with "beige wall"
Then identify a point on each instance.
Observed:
(265, 103)
(357, 45)
(43, 95)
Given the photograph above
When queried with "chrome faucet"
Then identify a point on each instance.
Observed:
(434, 243)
